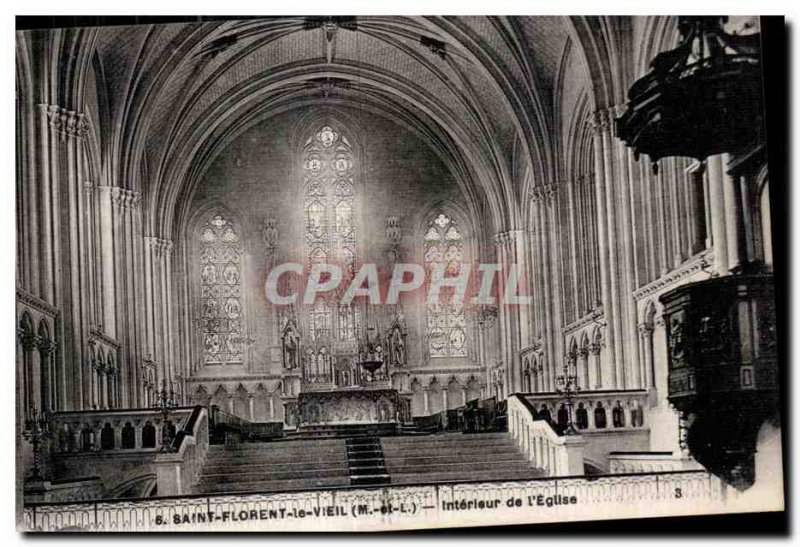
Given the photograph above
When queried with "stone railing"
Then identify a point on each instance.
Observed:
(121, 447)
(623, 496)
(557, 455)
(593, 410)
(607, 420)
(650, 462)
(89, 488)
(177, 472)
(112, 430)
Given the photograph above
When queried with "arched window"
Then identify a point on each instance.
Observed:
(47, 367)
(329, 212)
(446, 325)
(221, 296)
(27, 338)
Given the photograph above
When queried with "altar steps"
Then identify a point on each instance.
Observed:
(448, 457)
(343, 431)
(360, 461)
(365, 460)
(275, 466)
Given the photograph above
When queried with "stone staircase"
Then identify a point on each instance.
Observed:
(275, 466)
(365, 458)
(343, 431)
(449, 457)
(297, 464)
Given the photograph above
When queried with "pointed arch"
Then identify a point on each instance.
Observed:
(444, 246)
(200, 396)
(217, 272)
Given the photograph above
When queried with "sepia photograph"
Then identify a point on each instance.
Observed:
(385, 273)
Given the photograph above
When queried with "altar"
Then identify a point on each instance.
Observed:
(358, 405)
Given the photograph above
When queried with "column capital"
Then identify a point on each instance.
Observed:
(47, 347)
(28, 339)
(602, 120)
(550, 192)
(124, 198)
(159, 246)
(66, 121)
(508, 237)
(645, 329)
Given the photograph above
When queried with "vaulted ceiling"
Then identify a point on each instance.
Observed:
(163, 100)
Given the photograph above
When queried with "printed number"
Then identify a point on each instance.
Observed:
(678, 493)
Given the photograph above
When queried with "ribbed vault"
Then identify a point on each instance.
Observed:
(477, 90)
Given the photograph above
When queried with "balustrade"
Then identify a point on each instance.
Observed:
(593, 410)
(177, 472)
(113, 430)
(557, 455)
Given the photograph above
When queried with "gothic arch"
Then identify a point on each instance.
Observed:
(229, 340)
(437, 236)
(262, 87)
(471, 232)
(597, 335)
(200, 396)
(27, 373)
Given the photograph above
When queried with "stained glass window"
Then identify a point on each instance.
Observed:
(446, 325)
(221, 304)
(329, 204)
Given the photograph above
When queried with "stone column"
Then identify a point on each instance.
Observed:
(65, 153)
(629, 367)
(251, 407)
(572, 456)
(604, 239)
(545, 298)
(696, 173)
(125, 210)
(425, 405)
(107, 261)
(731, 194)
(500, 241)
(573, 189)
(646, 335)
(555, 277)
(594, 349)
(45, 229)
(583, 354)
(716, 203)
(159, 309)
(613, 311)
(103, 388)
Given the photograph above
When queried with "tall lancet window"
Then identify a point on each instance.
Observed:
(221, 299)
(446, 325)
(329, 204)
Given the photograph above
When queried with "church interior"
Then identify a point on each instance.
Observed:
(167, 174)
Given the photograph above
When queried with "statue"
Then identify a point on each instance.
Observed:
(397, 341)
(393, 234)
(270, 234)
(291, 346)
